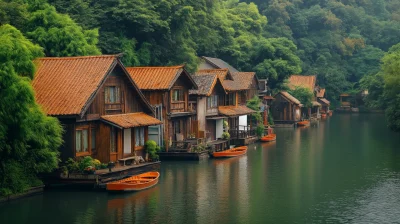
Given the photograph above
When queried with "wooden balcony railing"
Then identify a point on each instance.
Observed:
(177, 106)
(114, 107)
(242, 132)
(212, 111)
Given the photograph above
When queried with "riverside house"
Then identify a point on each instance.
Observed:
(307, 82)
(167, 90)
(102, 111)
(323, 101)
(286, 109)
(239, 87)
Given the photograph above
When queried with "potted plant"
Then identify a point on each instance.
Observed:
(226, 135)
(90, 170)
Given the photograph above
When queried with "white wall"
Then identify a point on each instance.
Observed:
(242, 122)
(219, 128)
(201, 112)
(127, 141)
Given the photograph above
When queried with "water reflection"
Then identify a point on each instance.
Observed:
(344, 169)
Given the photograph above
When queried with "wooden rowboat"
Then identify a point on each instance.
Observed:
(134, 183)
(303, 123)
(238, 151)
(269, 138)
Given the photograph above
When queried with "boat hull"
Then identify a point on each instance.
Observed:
(269, 138)
(231, 152)
(303, 123)
(134, 183)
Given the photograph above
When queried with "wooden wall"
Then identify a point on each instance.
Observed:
(130, 99)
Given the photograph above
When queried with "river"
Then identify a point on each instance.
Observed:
(345, 169)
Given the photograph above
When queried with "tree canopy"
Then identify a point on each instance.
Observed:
(29, 140)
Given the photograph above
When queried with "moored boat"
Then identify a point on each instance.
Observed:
(323, 115)
(134, 183)
(269, 138)
(238, 151)
(303, 123)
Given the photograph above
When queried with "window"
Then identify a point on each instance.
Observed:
(177, 127)
(113, 140)
(212, 101)
(177, 95)
(112, 94)
(81, 140)
(93, 139)
(139, 136)
(230, 99)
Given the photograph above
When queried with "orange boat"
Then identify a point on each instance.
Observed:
(269, 138)
(238, 151)
(323, 115)
(134, 183)
(303, 123)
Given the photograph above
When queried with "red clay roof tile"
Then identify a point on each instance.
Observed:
(64, 85)
(131, 120)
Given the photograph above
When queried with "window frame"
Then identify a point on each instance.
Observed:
(89, 128)
(140, 137)
(117, 94)
(180, 95)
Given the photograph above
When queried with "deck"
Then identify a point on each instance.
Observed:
(100, 177)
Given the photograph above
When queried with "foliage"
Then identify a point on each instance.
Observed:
(226, 135)
(152, 148)
(304, 95)
(86, 163)
(270, 118)
(260, 130)
(28, 138)
(199, 148)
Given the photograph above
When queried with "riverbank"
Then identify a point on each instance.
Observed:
(30, 192)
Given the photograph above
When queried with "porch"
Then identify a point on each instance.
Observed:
(243, 135)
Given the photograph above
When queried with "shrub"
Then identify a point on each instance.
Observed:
(226, 135)
(152, 148)
(260, 130)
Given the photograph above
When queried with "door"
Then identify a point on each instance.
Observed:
(127, 141)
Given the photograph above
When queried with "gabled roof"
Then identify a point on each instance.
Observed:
(131, 120)
(307, 82)
(67, 85)
(241, 81)
(325, 101)
(290, 98)
(158, 78)
(321, 93)
(222, 73)
(205, 83)
(219, 63)
(235, 110)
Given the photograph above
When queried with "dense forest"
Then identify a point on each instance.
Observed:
(349, 44)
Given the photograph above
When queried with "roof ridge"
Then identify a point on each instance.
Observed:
(161, 66)
(79, 57)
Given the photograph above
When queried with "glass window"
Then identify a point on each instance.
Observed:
(93, 139)
(177, 95)
(78, 140)
(113, 140)
(212, 101)
(85, 139)
(230, 99)
(112, 94)
(177, 127)
(139, 136)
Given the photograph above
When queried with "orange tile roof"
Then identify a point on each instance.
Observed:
(321, 93)
(157, 78)
(235, 110)
(131, 120)
(64, 85)
(241, 81)
(222, 73)
(307, 82)
(325, 101)
(290, 97)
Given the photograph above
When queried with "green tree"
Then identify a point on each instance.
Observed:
(28, 138)
(304, 95)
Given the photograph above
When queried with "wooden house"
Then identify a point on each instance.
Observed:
(307, 82)
(286, 109)
(167, 89)
(208, 96)
(102, 111)
(324, 102)
(239, 87)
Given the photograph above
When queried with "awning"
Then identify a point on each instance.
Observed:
(130, 120)
(316, 104)
(323, 100)
(235, 110)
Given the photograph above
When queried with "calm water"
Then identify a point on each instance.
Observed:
(343, 170)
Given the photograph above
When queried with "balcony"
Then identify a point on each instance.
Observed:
(178, 106)
(212, 111)
(242, 132)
